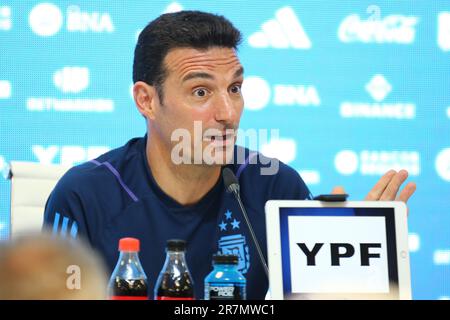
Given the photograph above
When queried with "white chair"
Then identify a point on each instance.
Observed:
(31, 184)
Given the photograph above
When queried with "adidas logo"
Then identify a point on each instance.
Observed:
(284, 31)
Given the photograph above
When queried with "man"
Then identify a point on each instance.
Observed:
(186, 72)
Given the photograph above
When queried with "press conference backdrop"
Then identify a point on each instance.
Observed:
(354, 88)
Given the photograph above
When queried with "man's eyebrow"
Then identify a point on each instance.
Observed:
(193, 75)
(203, 75)
(239, 72)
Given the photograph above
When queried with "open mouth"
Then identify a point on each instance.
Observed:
(220, 140)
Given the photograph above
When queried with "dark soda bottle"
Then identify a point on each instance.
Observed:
(175, 281)
(128, 280)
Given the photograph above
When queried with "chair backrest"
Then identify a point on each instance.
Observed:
(31, 184)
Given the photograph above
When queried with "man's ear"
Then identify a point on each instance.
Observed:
(146, 99)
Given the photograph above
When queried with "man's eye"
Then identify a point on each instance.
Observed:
(200, 92)
(236, 89)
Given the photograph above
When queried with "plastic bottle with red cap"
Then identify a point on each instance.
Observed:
(128, 280)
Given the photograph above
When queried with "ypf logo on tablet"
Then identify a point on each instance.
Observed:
(338, 254)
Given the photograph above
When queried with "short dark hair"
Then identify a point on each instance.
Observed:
(184, 29)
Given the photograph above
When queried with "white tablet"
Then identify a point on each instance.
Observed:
(338, 250)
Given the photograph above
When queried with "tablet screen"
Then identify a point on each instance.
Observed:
(338, 253)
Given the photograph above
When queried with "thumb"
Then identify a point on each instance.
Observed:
(338, 190)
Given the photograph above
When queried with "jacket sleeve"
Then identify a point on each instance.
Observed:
(64, 213)
(290, 186)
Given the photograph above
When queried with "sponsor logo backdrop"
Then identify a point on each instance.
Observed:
(355, 88)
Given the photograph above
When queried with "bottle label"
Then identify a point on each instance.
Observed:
(225, 291)
(129, 298)
(173, 298)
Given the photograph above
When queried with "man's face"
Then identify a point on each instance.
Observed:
(201, 88)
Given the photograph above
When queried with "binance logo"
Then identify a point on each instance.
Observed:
(378, 87)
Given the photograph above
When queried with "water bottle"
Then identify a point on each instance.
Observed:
(225, 282)
(128, 280)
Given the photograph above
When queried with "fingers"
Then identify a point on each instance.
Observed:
(381, 185)
(338, 190)
(407, 192)
(387, 187)
(392, 188)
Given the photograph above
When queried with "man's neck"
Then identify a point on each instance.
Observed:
(185, 183)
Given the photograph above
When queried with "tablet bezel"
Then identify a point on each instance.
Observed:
(272, 210)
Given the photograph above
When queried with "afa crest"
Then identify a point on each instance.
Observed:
(236, 244)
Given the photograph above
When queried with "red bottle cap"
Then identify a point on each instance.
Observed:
(129, 244)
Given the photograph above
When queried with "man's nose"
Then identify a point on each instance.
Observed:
(225, 109)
